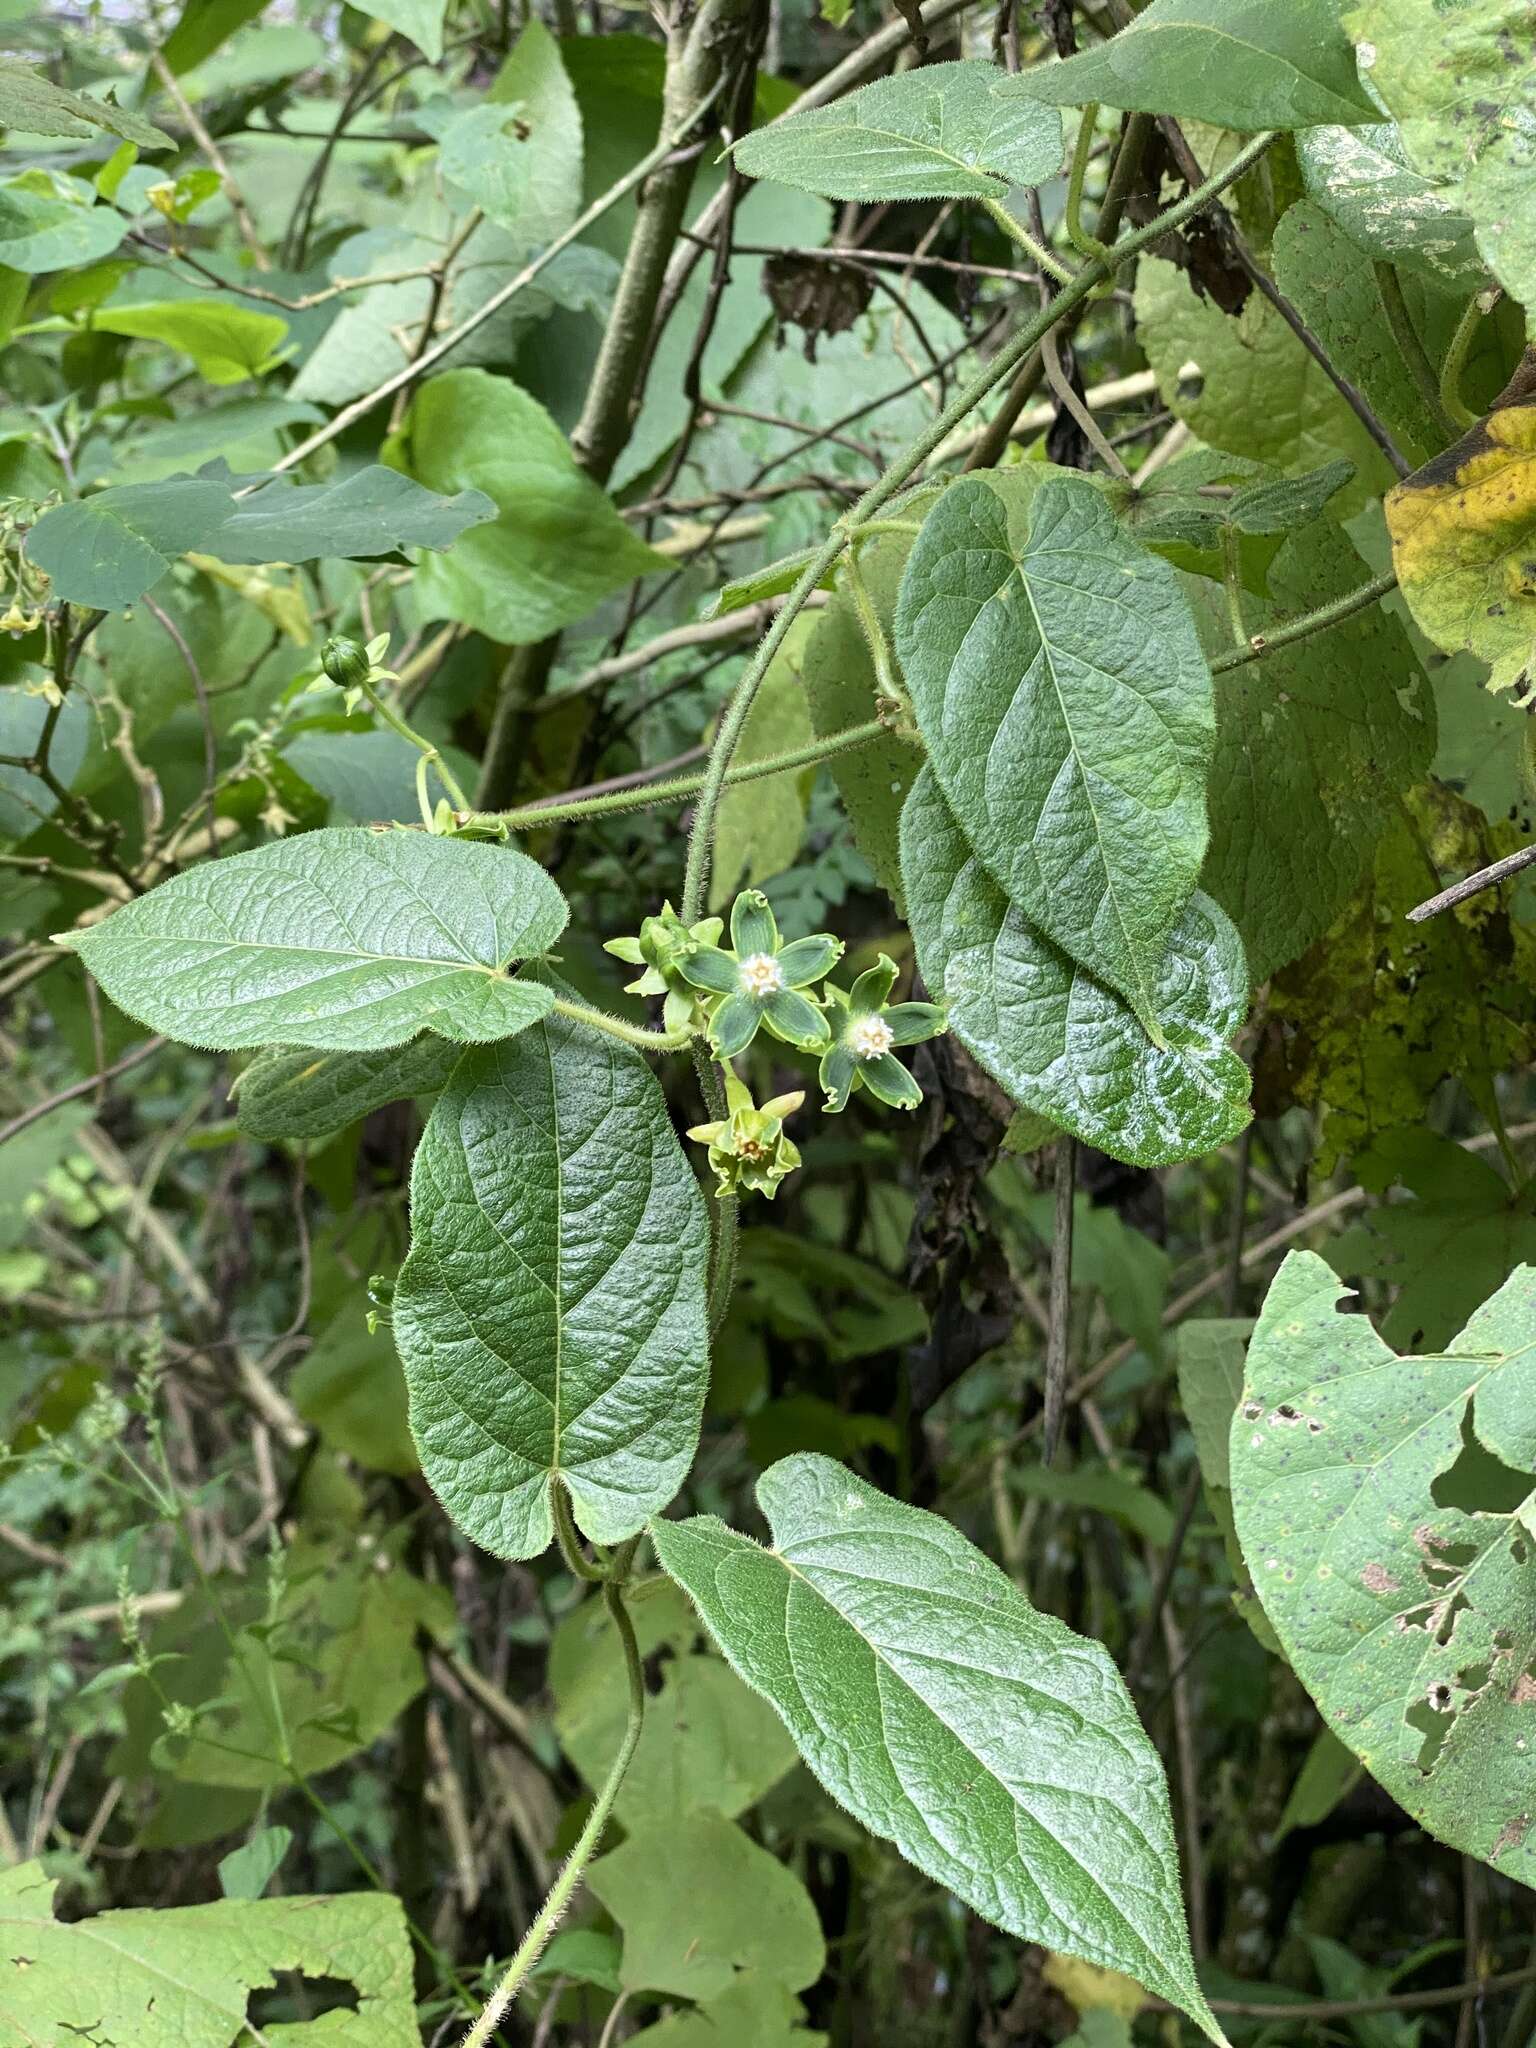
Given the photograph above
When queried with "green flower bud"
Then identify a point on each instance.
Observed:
(345, 663)
(748, 1151)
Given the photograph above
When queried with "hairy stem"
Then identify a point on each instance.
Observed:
(1309, 623)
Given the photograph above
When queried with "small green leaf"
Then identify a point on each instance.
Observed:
(25, 801)
(201, 27)
(181, 1977)
(374, 511)
(727, 1905)
(538, 1342)
(938, 132)
(761, 825)
(31, 102)
(57, 227)
(557, 544)
(998, 1751)
(518, 154)
(1385, 1507)
(1061, 1043)
(351, 1388)
(1210, 1353)
(108, 550)
(1057, 677)
(313, 1095)
(344, 937)
(246, 1872)
(420, 20)
(1235, 63)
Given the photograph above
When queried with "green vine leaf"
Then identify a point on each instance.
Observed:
(181, 1977)
(1362, 180)
(1061, 1043)
(551, 1314)
(313, 1095)
(998, 1751)
(1058, 680)
(1235, 63)
(340, 938)
(1387, 1509)
(940, 132)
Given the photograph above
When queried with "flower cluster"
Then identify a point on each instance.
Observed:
(763, 982)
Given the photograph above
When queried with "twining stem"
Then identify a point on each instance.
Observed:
(533, 817)
(1084, 243)
(548, 1916)
(1452, 403)
(911, 458)
(1411, 349)
(576, 1562)
(1309, 623)
(429, 753)
(1032, 246)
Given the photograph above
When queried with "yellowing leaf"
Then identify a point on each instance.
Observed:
(1464, 545)
(1091, 1989)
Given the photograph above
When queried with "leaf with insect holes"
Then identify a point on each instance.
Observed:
(345, 937)
(1060, 1042)
(550, 1317)
(1387, 1511)
(998, 1751)
(182, 1977)
(939, 132)
(1058, 680)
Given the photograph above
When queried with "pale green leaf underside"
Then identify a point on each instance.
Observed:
(313, 1095)
(182, 1977)
(550, 1317)
(1058, 680)
(1236, 63)
(1061, 1043)
(1361, 178)
(341, 938)
(1412, 1624)
(998, 1751)
(939, 132)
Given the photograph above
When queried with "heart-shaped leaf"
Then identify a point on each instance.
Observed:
(998, 1751)
(1060, 1042)
(1387, 1512)
(345, 937)
(550, 1317)
(1057, 677)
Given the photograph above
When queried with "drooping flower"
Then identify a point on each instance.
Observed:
(866, 1028)
(748, 1150)
(760, 980)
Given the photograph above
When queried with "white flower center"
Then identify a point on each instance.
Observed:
(761, 975)
(871, 1037)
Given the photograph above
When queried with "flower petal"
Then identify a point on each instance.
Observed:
(807, 960)
(911, 1023)
(795, 1019)
(734, 1026)
(753, 929)
(873, 986)
(889, 1082)
(709, 968)
(838, 1068)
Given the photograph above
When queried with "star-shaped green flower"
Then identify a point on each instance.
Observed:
(759, 981)
(748, 1149)
(662, 944)
(864, 1029)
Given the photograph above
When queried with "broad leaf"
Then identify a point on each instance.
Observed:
(1386, 1507)
(1315, 745)
(1060, 1042)
(938, 132)
(1235, 63)
(744, 1911)
(56, 228)
(998, 1751)
(1463, 534)
(420, 20)
(374, 511)
(30, 101)
(550, 1316)
(227, 343)
(181, 1977)
(1058, 680)
(1362, 180)
(201, 27)
(108, 550)
(1462, 87)
(344, 937)
(557, 544)
(761, 825)
(518, 154)
(313, 1095)
(756, 2011)
(25, 801)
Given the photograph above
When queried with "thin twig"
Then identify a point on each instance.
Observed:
(76, 1089)
(1058, 1335)
(1473, 885)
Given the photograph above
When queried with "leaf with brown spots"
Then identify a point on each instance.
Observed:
(1392, 1542)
